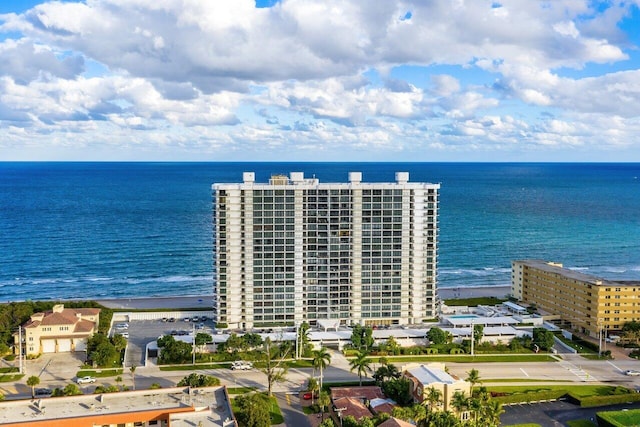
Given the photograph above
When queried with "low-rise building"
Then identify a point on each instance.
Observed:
(433, 375)
(58, 330)
(206, 407)
(585, 303)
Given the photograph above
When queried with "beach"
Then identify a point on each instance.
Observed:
(206, 301)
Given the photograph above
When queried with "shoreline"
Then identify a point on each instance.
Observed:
(206, 301)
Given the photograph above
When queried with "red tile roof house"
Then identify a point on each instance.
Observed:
(59, 330)
(354, 400)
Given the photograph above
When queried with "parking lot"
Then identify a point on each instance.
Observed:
(142, 332)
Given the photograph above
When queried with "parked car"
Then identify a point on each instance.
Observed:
(43, 392)
(308, 395)
(86, 380)
(125, 335)
(122, 326)
(632, 373)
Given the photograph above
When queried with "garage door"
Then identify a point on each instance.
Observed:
(64, 345)
(48, 346)
(80, 344)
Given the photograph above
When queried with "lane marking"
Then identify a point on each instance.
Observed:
(611, 363)
(524, 372)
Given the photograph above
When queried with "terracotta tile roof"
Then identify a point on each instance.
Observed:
(64, 318)
(87, 311)
(354, 406)
(84, 326)
(68, 316)
(366, 392)
(384, 407)
(395, 422)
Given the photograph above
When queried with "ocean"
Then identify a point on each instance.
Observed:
(126, 230)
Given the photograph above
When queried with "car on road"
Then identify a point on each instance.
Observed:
(42, 392)
(241, 365)
(632, 373)
(86, 380)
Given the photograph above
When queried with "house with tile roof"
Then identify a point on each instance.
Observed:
(396, 422)
(58, 330)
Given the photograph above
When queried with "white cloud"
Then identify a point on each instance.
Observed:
(226, 77)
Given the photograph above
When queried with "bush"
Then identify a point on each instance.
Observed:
(590, 401)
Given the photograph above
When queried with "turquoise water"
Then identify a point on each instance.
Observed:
(463, 316)
(86, 230)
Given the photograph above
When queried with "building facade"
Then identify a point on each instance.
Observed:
(434, 376)
(585, 303)
(295, 249)
(59, 330)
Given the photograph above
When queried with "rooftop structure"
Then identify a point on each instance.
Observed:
(585, 303)
(295, 249)
(206, 407)
(424, 377)
(58, 330)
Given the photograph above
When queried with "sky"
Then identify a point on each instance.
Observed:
(330, 80)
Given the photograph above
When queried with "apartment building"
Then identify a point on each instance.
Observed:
(58, 330)
(295, 249)
(585, 303)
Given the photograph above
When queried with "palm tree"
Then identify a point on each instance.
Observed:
(433, 397)
(321, 359)
(474, 378)
(313, 387)
(493, 410)
(133, 376)
(459, 402)
(361, 364)
(323, 400)
(32, 382)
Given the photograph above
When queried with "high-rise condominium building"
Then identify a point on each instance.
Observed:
(295, 249)
(585, 303)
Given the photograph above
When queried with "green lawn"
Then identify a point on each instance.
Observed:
(190, 367)
(577, 390)
(623, 418)
(465, 358)
(240, 390)
(581, 423)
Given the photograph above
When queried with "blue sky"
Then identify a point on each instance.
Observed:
(337, 80)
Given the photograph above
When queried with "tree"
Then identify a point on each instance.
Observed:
(253, 410)
(313, 387)
(478, 333)
(385, 372)
(543, 338)
(432, 397)
(362, 337)
(275, 370)
(119, 342)
(118, 381)
(71, 390)
(473, 377)
(132, 369)
(361, 364)
(392, 346)
(321, 359)
(398, 389)
(327, 423)
(173, 351)
(32, 382)
(437, 336)
(324, 400)
(201, 340)
(459, 402)
(198, 380)
(304, 340)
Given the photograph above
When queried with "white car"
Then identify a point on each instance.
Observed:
(122, 326)
(632, 373)
(86, 380)
(241, 366)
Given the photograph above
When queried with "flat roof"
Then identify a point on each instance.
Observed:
(431, 375)
(513, 306)
(210, 400)
(576, 275)
(457, 320)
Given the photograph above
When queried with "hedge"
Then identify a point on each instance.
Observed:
(531, 396)
(618, 418)
(614, 399)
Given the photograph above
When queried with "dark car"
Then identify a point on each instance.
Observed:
(42, 392)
